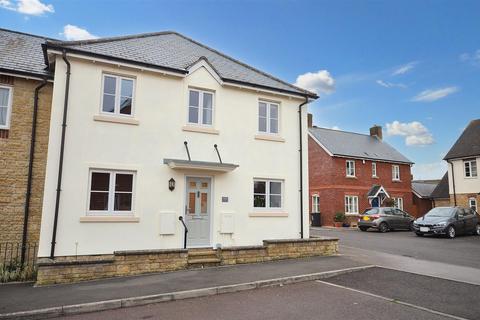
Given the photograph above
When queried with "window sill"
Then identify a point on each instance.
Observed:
(351, 177)
(114, 119)
(396, 181)
(269, 138)
(200, 129)
(109, 219)
(375, 177)
(268, 214)
(352, 214)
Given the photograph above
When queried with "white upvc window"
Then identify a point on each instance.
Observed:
(111, 192)
(5, 106)
(398, 203)
(200, 107)
(267, 194)
(117, 95)
(315, 203)
(268, 117)
(472, 203)
(350, 168)
(374, 169)
(351, 204)
(470, 168)
(395, 172)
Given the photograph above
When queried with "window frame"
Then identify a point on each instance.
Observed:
(395, 169)
(268, 117)
(118, 95)
(111, 194)
(374, 170)
(268, 194)
(469, 162)
(397, 201)
(347, 171)
(315, 203)
(475, 207)
(6, 126)
(347, 204)
(199, 122)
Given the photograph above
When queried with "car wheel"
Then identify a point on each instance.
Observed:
(383, 227)
(419, 234)
(477, 230)
(451, 232)
(363, 228)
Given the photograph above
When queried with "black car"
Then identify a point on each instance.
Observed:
(449, 221)
(384, 219)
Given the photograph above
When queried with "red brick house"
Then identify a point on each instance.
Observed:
(349, 172)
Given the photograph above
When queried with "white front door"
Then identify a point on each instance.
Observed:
(198, 211)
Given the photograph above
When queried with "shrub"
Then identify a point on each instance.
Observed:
(339, 217)
(389, 202)
(14, 271)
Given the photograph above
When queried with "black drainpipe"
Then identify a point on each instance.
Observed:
(30, 169)
(301, 163)
(62, 150)
(453, 183)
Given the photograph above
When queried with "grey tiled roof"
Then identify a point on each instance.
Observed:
(175, 51)
(441, 190)
(424, 188)
(350, 144)
(468, 144)
(22, 53)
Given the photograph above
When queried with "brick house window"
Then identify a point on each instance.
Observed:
(117, 95)
(5, 106)
(350, 167)
(351, 204)
(472, 203)
(470, 168)
(398, 203)
(268, 114)
(315, 203)
(395, 172)
(267, 194)
(374, 170)
(111, 192)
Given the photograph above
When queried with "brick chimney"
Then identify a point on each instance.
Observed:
(310, 120)
(376, 131)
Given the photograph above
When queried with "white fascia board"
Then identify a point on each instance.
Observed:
(272, 92)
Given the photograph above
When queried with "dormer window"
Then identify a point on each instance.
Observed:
(268, 114)
(117, 97)
(200, 107)
(350, 168)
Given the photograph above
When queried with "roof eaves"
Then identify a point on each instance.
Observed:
(372, 159)
(48, 76)
(259, 86)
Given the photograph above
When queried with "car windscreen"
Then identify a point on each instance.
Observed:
(371, 211)
(440, 212)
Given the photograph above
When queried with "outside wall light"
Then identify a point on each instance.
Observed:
(171, 184)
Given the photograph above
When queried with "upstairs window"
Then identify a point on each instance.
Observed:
(5, 106)
(350, 167)
(111, 192)
(396, 172)
(268, 117)
(200, 107)
(117, 98)
(267, 194)
(470, 168)
(374, 169)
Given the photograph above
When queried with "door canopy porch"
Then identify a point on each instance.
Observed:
(376, 195)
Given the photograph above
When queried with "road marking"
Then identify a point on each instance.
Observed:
(451, 316)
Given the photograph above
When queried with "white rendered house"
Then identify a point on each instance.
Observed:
(156, 127)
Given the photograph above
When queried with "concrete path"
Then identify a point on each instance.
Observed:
(24, 297)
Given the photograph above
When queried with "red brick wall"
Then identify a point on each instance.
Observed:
(327, 178)
(421, 206)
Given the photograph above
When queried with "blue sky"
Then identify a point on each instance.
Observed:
(411, 66)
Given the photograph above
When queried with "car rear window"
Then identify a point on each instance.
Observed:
(371, 211)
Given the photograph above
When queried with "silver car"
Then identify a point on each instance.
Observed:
(384, 219)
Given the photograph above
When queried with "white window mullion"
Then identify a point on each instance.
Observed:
(111, 193)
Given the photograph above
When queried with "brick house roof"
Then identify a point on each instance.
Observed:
(468, 144)
(424, 188)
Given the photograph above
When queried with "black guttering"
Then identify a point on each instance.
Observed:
(301, 162)
(309, 95)
(27, 74)
(30, 169)
(62, 150)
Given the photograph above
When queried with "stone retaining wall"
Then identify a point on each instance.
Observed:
(124, 263)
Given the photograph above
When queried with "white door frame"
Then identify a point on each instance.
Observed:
(185, 178)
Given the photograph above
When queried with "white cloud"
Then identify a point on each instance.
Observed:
(387, 84)
(318, 82)
(473, 58)
(415, 133)
(425, 171)
(71, 32)
(434, 95)
(335, 128)
(404, 68)
(28, 7)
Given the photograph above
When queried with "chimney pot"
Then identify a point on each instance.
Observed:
(376, 131)
(310, 120)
